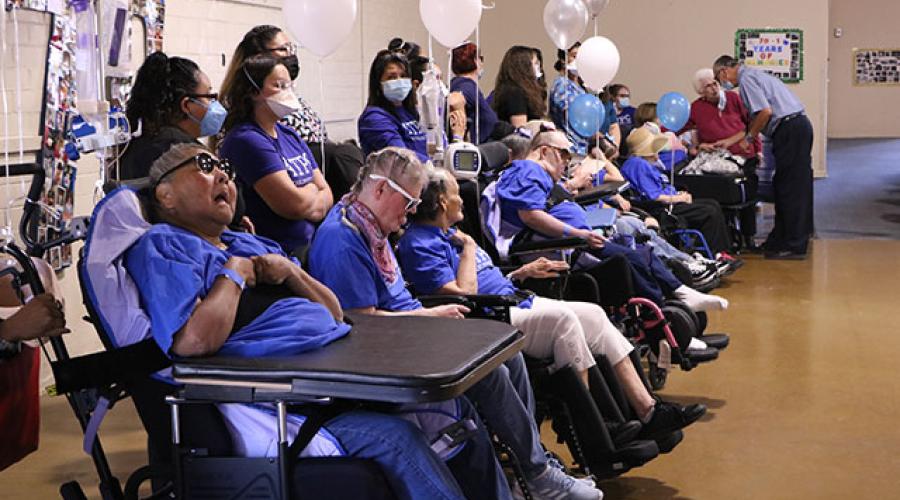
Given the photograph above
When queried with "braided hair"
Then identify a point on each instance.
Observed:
(160, 85)
(395, 163)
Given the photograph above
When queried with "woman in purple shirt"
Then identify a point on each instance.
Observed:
(285, 191)
(390, 117)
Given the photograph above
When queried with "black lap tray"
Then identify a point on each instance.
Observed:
(392, 359)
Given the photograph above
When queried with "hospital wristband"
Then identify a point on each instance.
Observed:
(232, 275)
(567, 230)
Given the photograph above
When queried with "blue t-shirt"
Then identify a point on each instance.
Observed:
(174, 268)
(379, 129)
(625, 117)
(340, 259)
(254, 155)
(525, 185)
(669, 158)
(487, 118)
(563, 92)
(648, 180)
(430, 261)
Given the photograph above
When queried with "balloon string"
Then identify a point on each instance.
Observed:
(477, 138)
(322, 124)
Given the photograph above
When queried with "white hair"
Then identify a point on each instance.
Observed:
(701, 78)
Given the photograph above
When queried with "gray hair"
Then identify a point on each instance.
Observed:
(725, 61)
(701, 78)
(399, 164)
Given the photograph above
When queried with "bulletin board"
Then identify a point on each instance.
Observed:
(778, 52)
(877, 67)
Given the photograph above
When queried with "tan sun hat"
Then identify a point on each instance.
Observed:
(642, 142)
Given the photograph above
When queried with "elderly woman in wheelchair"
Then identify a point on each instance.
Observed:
(210, 290)
(351, 254)
(438, 258)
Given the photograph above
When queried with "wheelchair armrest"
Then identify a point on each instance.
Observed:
(471, 301)
(596, 193)
(547, 245)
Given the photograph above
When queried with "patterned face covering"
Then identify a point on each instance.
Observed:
(360, 217)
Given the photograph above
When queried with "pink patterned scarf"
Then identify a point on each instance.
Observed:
(360, 217)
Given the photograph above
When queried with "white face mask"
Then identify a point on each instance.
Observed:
(722, 99)
(572, 67)
(537, 72)
(283, 103)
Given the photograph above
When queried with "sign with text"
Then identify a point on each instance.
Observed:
(779, 52)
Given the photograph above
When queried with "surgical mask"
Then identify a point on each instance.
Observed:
(624, 102)
(727, 85)
(283, 103)
(212, 121)
(722, 99)
(396, 90)
(292, 64)
(537, 72)
(481, 73)
(654, 128)
(572, 67)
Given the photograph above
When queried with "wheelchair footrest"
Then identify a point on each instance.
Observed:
(716, 340)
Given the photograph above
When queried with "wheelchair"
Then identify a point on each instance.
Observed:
(189, 447)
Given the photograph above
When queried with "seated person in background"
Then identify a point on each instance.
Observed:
(351, 255)
(286, 192)
(209, 291)
(437, 258)
(523, 192)
(720, 120)
(390, 117)
(673, 152)
(342, 160)
(42, 316)
(518, 96)
(566, 88)
(652, 183)
(468, 67)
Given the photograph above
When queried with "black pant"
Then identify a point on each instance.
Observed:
(705, 215)
(793, 186)
(748, 214)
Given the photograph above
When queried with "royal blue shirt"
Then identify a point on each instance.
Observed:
(379, 129)
(174, 268)
(430, 260)
(670, 158)
(649, 181)
(525, 185)
(341, 260)
(254, 155)
(487, 118)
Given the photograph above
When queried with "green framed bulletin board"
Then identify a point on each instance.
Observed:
(778, 51)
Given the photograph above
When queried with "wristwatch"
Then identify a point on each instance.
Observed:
(232, 275)
(749, 137)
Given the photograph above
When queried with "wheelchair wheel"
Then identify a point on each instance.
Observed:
(657, 376)
(702, 321)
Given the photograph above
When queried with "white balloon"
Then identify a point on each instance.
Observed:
(320, 25)
(450, 22)
(596, 6)
(598, 61)
(565, 21)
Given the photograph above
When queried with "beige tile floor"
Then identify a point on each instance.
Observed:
(802, 405)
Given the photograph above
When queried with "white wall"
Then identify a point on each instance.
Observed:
(866, 111)
(663, 42)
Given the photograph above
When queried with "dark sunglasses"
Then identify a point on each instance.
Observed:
(206, 164)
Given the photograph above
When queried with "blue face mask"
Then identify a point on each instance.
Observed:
(624, 102)
(727, 85)
(212, 121)
(396, 90)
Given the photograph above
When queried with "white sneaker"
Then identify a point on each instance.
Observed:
(554, 484)
(697, 344)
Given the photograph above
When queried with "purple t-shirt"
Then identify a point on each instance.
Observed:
(379, 129)
(254, 155)
(487, 118)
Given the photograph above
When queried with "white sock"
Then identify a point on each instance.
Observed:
(698, 301)
(696, 344)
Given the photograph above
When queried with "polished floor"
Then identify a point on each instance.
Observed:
(802, 405)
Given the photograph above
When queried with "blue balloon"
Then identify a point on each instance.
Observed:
(586, 114)
(673, 110)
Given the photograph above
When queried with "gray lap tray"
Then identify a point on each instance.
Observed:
(391, 359)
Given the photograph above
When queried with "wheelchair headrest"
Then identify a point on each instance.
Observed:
(494, 156)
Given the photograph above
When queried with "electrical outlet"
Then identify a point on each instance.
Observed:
(838, 32)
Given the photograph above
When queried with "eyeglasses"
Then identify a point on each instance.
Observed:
(411, 201)
(206, 164)
(289, 48)
(211, 95)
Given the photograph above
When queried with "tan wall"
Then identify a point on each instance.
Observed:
(663, 42)
(203, 30)
(861, 111)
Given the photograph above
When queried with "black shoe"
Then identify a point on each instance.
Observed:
(623, 432)
(670, 417)
(668, 442)
(785, 255)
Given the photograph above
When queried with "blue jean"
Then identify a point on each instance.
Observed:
(661, 248)
(408, 463)
(506, 401)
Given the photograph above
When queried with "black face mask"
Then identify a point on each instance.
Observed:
(293, 65)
